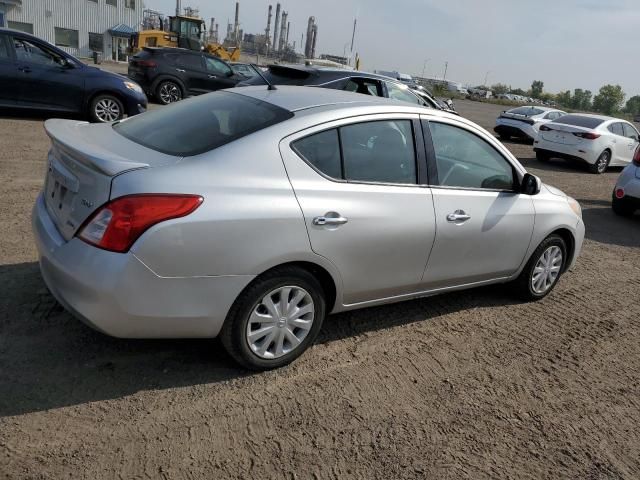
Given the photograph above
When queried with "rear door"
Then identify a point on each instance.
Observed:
(219, 74)
(358, 182)
(484, 224)
(9, 78)
(631, 134)
(190, 67)
(619, 142)
(45, 80)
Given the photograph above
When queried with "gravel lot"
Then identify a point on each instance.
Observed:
(467, 385)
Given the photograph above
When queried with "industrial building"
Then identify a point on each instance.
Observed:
(79, 27)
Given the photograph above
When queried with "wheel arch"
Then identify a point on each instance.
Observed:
(165, 77)
(570, 243)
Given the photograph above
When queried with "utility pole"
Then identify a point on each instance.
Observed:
(424, 67)
(486, 77)
(353, 35)
(446, 65)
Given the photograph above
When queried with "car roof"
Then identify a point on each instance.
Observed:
(604, 118)
(333, 72)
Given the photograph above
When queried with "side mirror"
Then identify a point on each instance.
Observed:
(530, 185)
(65, 63)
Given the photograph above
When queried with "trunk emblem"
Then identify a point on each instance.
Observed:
(86, 203)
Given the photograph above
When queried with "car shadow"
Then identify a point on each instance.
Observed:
(604, 226)
(48, 359)
(33, 114)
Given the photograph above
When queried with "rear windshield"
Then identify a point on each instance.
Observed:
(579, 121)
(201, 124)
(526, 111)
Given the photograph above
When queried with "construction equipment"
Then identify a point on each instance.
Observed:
(184, 32)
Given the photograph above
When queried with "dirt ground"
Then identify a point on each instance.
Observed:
(469, 385)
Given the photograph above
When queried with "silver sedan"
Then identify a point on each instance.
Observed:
(252, 213)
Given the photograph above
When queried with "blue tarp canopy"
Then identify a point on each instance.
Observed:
(121, 30)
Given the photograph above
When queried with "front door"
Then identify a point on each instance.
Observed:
(357, 184)
(484, 225)
(219, 74)
(632, 137)
(47, 81)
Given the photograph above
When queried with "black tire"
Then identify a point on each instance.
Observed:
(168, 92)
(522, 286)
(602, 163)
(622, 207)
(542, 157)
(106, 108)
(234, 331)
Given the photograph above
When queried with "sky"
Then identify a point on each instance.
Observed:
(567, 44)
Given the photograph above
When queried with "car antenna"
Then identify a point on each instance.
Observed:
(270, 86)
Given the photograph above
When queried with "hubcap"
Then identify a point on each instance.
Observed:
(280, 322)
(169, 93)
(107, 110)
(603, 161)
(547, 270)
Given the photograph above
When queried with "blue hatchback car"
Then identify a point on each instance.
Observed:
(38, 76)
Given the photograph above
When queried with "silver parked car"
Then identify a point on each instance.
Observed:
(253, 213)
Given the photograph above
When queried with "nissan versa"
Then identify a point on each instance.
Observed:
(252, 213)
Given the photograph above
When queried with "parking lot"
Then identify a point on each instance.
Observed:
(466, 385)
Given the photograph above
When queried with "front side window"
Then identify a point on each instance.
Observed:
(66, 37)
(216, 67)
(403, 93)
(32, 53)
(465, 160)
(630, 132)
(379, 152)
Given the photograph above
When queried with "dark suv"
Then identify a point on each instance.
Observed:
(171, 74)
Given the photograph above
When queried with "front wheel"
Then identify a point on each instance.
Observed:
(543, 270)
(106, 108)
(275, 319)
(601, 163)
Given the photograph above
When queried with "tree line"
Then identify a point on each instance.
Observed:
(609, 100)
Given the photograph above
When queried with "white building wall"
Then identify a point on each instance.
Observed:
(82, 15)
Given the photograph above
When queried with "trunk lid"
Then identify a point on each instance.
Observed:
(563, 134)
(514, 118)
(81, 164)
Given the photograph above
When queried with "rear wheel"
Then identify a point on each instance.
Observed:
(106, 108)
(543, 270)
(601, 163)
(275, 319)
(542, 157)
(168, 92)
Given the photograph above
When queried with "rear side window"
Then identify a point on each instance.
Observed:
(629, 131)
(616, 129)
(4, 49)
(579, 121)
(380, 152)
(198, 125)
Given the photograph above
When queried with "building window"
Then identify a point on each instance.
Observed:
(23, 27)
(94, 1)
(113, 3)
(96, 43)
(130, 4)
(66, 37)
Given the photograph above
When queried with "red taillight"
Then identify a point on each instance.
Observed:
(587, 135)
(146, 63)
(118, 224)
(619, 193)
(636, 157)
(544, 128)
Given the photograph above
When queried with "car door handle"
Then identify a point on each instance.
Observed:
(24, 69)
(212, 76)
(458, 216)
(180, 70)
(330, 220)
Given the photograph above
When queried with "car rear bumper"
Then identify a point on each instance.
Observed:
(526, 131)
(135, 104)
(629, 182)
(118, 295)
(567, 152)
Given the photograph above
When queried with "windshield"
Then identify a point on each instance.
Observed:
(201, 124)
